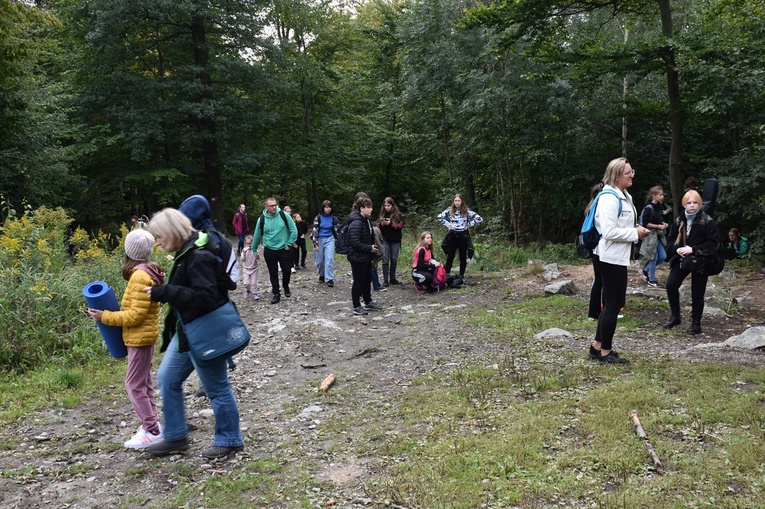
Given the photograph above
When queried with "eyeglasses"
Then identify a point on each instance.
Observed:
(630, 173)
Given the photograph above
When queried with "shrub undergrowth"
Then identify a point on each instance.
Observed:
(43, 268)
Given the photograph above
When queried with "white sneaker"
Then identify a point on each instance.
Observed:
(293, 270)
(142, 439)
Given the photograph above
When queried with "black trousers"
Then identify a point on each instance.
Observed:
(300, 251)
(457, 241)
(596, 291)
(614, 279)
(362, 283)
(273, 259)
(698, 288)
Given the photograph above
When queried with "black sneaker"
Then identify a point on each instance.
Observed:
(275, 299)
(360, 311)
(652, 284)
(218, 451)
(644, 274)
(321, 279)
(168, 447)
(371, 306)
(594, 354)
(612, 358)
(330, 284)
(395, 282)
(287, 293)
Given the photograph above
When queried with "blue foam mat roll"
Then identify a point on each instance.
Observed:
(100, 295)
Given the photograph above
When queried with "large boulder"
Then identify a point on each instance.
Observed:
(566, 287)
(554, 333)
(750, 339)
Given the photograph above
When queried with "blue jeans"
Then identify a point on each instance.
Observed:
(659, 256)
(375, 278)
(325, 258)
(173, 371)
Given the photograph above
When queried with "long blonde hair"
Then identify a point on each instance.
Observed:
(421, 243)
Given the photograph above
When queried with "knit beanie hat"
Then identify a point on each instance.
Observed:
(139, 245)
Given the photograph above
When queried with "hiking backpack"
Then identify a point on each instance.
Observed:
(589, 236)
(343, 240)
(439, 278)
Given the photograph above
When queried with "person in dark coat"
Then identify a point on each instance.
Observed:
(362, 252)
(197, 285)
(694, 234)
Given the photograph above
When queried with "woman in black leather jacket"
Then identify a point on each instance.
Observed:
(694, 236)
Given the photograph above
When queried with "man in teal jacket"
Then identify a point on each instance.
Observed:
(277, 232)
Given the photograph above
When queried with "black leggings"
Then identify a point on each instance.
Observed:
(457, 241)
(698, 288)
(596, 291)
(614, 279)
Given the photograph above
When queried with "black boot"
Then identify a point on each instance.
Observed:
(695, 327)
(673, 320)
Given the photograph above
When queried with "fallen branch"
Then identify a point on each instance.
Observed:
(364, 352)
(327, 383)
(641, 434)
(312, 366)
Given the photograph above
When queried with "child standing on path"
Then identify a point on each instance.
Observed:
(139, 319)
(300, 249)
(250, 269)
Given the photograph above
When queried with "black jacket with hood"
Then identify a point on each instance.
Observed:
(195, 287)
(361, 238)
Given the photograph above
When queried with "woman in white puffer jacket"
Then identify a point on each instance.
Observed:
(618, 232)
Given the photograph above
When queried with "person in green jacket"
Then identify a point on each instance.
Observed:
(738, 245)
(277, 232)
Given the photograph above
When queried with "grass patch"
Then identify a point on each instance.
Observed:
(59, 386)
(253, 483)
(538, 436)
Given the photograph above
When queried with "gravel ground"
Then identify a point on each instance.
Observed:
(73, 457)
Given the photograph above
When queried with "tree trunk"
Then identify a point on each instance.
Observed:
(667, 54)
(207, 124)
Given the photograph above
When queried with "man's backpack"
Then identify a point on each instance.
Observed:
(589, 236)
(343, 240)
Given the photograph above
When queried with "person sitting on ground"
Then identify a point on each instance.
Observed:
(423, 263)
(738, 246)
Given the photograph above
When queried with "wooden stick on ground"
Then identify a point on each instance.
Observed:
(641, 434)
(327, 383)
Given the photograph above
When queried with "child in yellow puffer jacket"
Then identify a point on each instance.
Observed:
(139, 319)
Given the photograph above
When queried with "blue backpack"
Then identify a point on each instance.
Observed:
(589, 236)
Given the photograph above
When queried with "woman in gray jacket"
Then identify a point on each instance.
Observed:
(618, 232)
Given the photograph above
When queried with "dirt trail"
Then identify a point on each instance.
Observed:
(73, 457)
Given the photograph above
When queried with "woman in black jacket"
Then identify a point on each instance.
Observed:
(197, 284)
(694, 235)
(362, 252)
